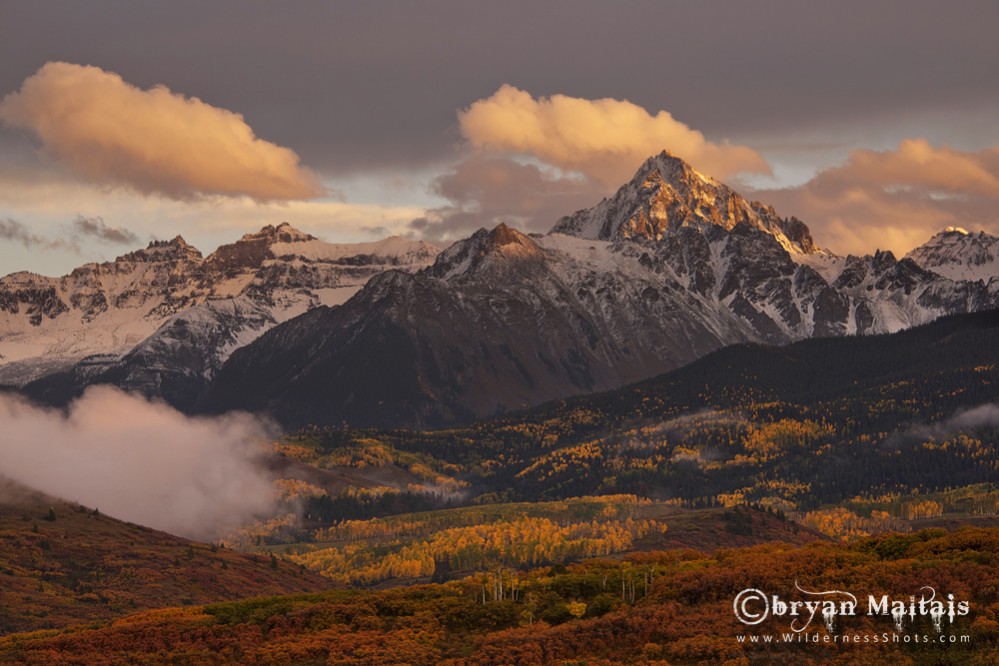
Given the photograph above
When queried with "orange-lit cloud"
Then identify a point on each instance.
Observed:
(896, 199)
(918, 164)
(606, 139)
(154, 141)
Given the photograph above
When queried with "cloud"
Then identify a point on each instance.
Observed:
(94, 227)
(140, 461)
(916, 163)
(578, 150)
(605, 139)
(895, 199)
(14, 231)
(483, 191)
(964, 419)
(153, 141)
(982, 416)
(80, 230)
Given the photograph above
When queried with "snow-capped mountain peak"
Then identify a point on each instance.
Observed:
(254, 248)
(958, 254)
(485, 247)
(176, 249)
(282, 233)
(667, 194)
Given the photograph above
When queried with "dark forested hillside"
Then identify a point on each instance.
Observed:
(816, 422)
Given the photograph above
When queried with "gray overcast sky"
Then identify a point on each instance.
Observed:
(367, 94)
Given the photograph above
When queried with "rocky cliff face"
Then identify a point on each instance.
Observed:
(673, 266)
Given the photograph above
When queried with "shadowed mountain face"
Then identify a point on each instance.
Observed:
(491, 327)
(673, 266)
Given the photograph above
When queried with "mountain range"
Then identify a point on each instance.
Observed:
(162, 320)
(671, 267)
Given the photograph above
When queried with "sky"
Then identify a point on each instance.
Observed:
(876, 123)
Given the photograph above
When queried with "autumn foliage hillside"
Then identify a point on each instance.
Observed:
(453, 543)
(62, 564)
(663, 607)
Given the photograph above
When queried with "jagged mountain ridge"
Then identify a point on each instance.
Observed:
(168, 311)
(49, 322)
(673, 266)
(960, 255)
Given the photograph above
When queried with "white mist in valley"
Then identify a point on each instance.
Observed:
(982, 416)
(140, 461)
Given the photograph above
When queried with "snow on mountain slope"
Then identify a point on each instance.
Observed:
(392, 250)
(115, 310)
(960, 255)
(827, 264)
(51, 322)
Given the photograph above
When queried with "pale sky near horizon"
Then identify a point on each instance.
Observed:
(874, 122)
